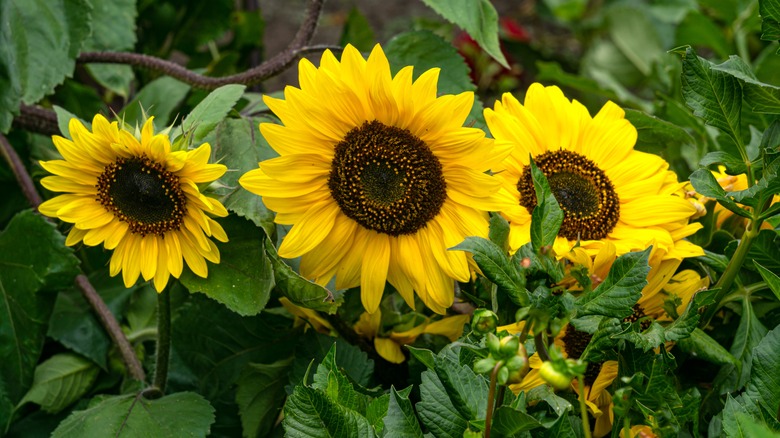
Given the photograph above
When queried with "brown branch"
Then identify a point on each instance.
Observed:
(82, 282)
(37, 119)
(277, 64)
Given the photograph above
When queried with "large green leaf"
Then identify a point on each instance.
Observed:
(61, 380)
(400, 419)
(315, 346)
(309, 413)
(770, 19)
(436, 409)
(176, 415)
(210, 111)
(547, 217)
(509, 421)
(706, 184)
(749, 334)
(634, 33)
(657, 135)
(704, 347)
(260, 395)
(713, 95)
(618, 293)
(497, 267)
(762, 98)
(771, 279)
(332, 381)
(477, 17)
(216, 343)
(243, 278)
(40, 40)
(33, 256)
(467, 390)
(764, 384)
(238, 145)
(113, 28)
(357, 31)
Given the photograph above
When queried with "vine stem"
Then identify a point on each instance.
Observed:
(163, 353)
(491, 397)
(107, 319)
(275, 65)
(583, 407)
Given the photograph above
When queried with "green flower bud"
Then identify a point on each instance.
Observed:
(484, 366)
(484, 321)
(509, 346)
(503, 376)
(554, 377)
(493, 344)
(516, 363)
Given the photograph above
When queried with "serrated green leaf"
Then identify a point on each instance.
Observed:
(478, 18)
(309, 413)
(158, 98)
(770, 19)
(749, 334)
(351, 360)
(376, 412)
(509, 421)
(330, 380)
(61, 380)
(734, 414)
(436, 410)
(617, 294)
(113, 28)
(764, 383)
(216, 343)
(210, 111)
(357, 31)
(771, 279)
(701, 345)
(497, 267)
(762, 98)
(175, 415)
(765, 250)
(400, 419)
(26, 268)
(547, 217)
(713, 95)
(243, 278)
(467, 390)
(260, 395)
(426, 50)
(733, 164)
(425, 356)
(546, 394)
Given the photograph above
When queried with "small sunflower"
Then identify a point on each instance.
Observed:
(607, 190)
(137, 198)
(378, 177)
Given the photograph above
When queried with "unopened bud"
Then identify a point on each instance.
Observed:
(554, 377)
(484, 366)
(509, 346)
(484, 321)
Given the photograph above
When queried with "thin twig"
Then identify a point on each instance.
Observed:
(297, 47)
(82, 282)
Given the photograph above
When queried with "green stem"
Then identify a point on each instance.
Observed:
(583, 407)
(541, 348)
(163, 340)
(626, 427)
(525, 331)
(491, 396)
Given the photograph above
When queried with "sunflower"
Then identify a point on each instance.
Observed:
(607, 190)
(378, 177)
(137, 198)
(388, 343)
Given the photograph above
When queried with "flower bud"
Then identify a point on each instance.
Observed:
(554, 377)
(484, 321)
(503, 376)
(509, 345)
(493, 344)
(484, 366)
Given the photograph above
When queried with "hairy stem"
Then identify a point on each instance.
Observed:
(163, 353)
(491, 397)
(110, 324)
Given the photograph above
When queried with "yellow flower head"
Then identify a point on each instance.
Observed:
(137, 198)
(607, 190)
(378, 177)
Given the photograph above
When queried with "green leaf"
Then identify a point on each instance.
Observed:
(499, 231)
(765, 250)
(210, 111)
(216, 343)
(734, 165)
(764, 384)
(425, 356)
(113, 28)
(771, 279)
(158, 98)
(713, 95)
(617, 294)
(547, 217)
(260, 395)
(497, 267)
(762, 98)
(26, 268)
(330, 380)
(309, 413)
(239, 146)
(636, 36)
(509, 421)
(400, 418)
(243, 278)
(478, 18)
(749, 334)
(467, 390)
(351, 360)
(61, 380)
(299, 290)
(376, 412)
(175, 415)
(706, 184)
(426, 50)
(770, 19)
(546, 394)
(357, 31)
(437, 411)
(40, 40)
(657, 135)
(701, 345)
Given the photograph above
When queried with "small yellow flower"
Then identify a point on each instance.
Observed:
(137, 198)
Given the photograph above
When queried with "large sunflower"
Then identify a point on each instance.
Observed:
(378, 177)
(607, 190)
(136, 197)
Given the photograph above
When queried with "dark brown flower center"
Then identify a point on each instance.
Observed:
(141, 192)
(575, 342)
(589, 202)
(386, 179)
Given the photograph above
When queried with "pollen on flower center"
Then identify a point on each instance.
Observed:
(586, 195)
(386, 179)
(141, 192)
(575, 342)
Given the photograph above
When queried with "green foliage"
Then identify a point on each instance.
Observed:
(260, 395)
(59, 381)
(620, 290)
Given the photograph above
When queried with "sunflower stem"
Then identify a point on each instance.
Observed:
(583, 407)
(541, 348)
(162, 355)
(107, 319)
(491, 397)
(626, 427)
